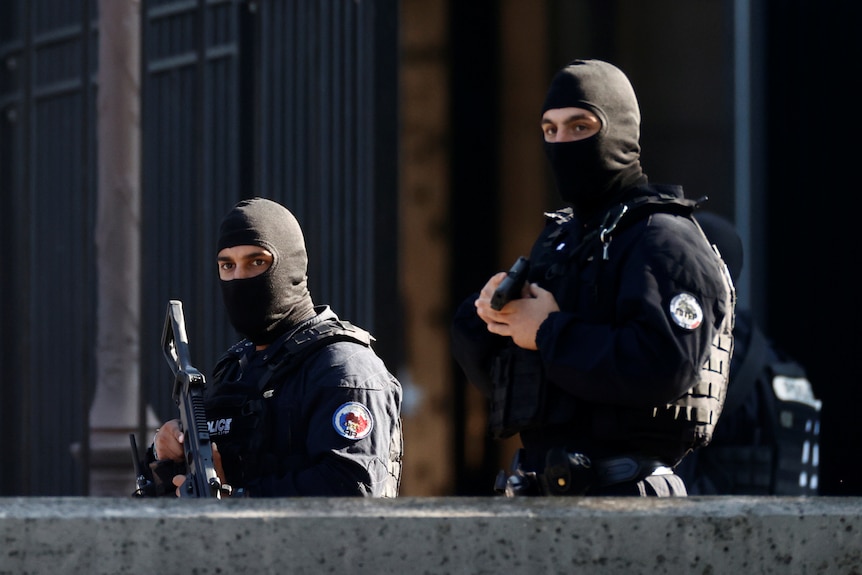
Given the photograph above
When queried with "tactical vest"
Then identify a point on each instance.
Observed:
(239, 411)
(521, 398)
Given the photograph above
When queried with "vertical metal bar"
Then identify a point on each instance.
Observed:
(742, 135)
(88, 138)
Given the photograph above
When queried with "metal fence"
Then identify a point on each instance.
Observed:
(295, 100)
(47, 182)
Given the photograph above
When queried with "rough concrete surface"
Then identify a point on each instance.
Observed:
(703, 535)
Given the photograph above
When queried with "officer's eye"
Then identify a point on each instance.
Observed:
(226, 266)
(585, 124)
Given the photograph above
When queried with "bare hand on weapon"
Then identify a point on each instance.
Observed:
(520, 318)
(168, 441)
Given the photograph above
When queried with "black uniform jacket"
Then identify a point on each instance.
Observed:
(330, 426)
(614, 349)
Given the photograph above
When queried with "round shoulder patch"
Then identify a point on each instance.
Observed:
(352, 420)
(686, 311)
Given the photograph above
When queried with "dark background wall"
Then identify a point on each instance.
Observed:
(811, 122)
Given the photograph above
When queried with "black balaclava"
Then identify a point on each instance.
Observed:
(588, 172)
(265, 306)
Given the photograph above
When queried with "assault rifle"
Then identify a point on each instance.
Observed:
(201, 478)
(188, 385)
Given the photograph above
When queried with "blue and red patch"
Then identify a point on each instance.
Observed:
(352, 420)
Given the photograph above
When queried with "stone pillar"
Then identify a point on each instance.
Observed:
(115, 410)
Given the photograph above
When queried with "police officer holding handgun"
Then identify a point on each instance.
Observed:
(611, 361)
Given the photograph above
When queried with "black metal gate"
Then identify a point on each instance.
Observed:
(48, 288)
(295, 100)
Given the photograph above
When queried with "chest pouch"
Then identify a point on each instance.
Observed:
(237, 422)
(568, 263)
(518, 396)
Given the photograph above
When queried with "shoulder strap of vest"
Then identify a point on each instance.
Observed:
(294, 349)
(622, 216)
(316, 336)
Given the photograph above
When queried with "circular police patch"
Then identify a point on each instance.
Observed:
(352, 420)
(686, 311)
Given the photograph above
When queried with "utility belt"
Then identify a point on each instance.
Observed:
(568, 473)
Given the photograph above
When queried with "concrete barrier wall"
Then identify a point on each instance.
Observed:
(432, 535)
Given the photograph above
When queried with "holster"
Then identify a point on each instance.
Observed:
(566, 473)
(571, 474)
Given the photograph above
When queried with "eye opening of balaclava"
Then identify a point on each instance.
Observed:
(587, 172)
(265, 306)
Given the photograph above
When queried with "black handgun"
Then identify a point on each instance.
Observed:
(510, 287)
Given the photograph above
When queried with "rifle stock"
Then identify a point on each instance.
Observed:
(188, 386)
